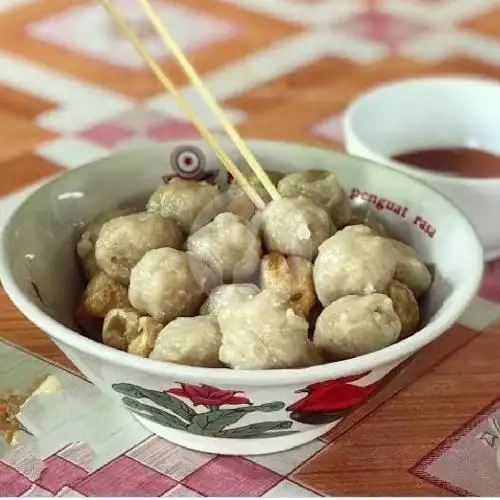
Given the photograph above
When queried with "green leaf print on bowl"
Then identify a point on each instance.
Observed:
(166, 408)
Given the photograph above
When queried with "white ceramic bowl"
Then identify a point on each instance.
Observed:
(428, 113)
(221, 410)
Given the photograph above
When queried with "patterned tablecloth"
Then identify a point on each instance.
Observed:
(71, 90)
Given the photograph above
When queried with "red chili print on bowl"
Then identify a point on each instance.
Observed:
(328, 401)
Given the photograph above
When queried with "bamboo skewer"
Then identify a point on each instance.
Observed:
(209, 99)
(183, 104)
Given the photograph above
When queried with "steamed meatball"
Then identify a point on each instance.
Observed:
(292, 278)
(362, 229)
(228, 246)
(263, 333)
(103, 294)
(322, 188)
(168, 283)
(356, 325)
(190, 203)
(85, 247)
(189, 341)
(405, 306)
(237, 200)
(228, 296)
(123, 241)
(370, 219)
(126, 330)
(238, 203)
(353, 263)
(410, 270)
(273, 175)
(295, 226)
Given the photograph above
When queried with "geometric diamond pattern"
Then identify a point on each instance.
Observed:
(330, 128)
(140, 123)
(59, 473)
(232, 476)
(384, 28)
(128, 476)
(88, 30)
(168, 459)
(12, 482)
(155, 468)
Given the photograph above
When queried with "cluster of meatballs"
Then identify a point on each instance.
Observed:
(202, 278)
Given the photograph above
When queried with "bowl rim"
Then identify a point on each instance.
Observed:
(453, 79)
(226, 376)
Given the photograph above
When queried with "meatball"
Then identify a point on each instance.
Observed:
(356, 325)
(123, 241)
(228, 246)
(370, 219)
(263, 333)
(410, 270)
(406, 307)
(190, 203)
(88, 325)
(189, 341)
(237, 200)
(273, 175)
(360, 229)
(295, 226)
(351, 263)
(103, 294)
(322, 188)
(168, 283)
(238, 203)
(291, 277)
(85, 247)
(227, 296)
(127, 330)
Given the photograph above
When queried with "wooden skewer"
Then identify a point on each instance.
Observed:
(209, 99)
(183, 104)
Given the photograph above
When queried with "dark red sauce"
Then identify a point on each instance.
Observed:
(462, 162)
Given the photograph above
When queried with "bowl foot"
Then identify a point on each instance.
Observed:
(239, 447)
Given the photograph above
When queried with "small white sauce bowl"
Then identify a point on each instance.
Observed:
(430, 113)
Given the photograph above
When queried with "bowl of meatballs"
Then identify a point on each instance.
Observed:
(230, 329)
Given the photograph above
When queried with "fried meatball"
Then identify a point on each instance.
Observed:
(127, 330)
(103, 294)
(354, 325)
(291, 277)
(406, 307)
(123, 241)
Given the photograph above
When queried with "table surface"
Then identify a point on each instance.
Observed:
(71, 90)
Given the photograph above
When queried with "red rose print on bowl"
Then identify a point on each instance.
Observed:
(209, 396)
(328, 401)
